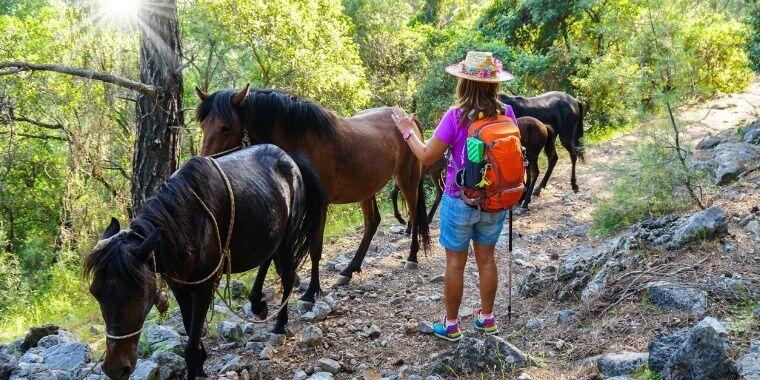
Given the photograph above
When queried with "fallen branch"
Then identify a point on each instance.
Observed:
(16, 67)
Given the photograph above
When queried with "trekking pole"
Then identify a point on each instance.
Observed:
(509, 307)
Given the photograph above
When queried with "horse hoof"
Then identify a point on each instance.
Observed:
(343, 280)
(304, 306)
(575, 189)
(411, 265)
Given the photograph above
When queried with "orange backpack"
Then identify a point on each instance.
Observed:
(503, 175)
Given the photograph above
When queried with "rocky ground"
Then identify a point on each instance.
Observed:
(679, 293)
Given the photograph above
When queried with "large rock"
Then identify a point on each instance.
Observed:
(702, 355)
(671, 296)
(35, 334)
(230, 331)
(664, 347)
(311, 336)
(472, 356)
(710, 142)
(732, 159)
(534, 282)
(60, 337)
(329, 365)
(748, 365)
(36, 371)
(170, 365)
(166, 339)
(66, 356)
(751, 134)
(700, 225)
(145, 370)
(621, 363)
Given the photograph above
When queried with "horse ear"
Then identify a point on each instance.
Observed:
(239, 98)
(112, 229)
(148, 245)
(200, 93)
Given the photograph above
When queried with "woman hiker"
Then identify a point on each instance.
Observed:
(479, 78)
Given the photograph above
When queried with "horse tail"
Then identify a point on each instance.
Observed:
(421, 220)
(314, 205)
(579, 131)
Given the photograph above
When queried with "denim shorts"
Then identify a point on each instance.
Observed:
(461, 223)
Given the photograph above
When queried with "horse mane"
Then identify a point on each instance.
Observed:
(265, 110)
(173, 211)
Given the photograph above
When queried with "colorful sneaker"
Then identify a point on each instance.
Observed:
(487, 325)
(451, 333)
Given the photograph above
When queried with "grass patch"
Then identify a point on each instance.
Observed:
(651, 186)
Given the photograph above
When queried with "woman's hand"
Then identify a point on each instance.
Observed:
(403, 121)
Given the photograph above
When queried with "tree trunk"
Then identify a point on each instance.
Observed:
(158, 118)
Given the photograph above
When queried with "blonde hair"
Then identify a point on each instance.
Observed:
(478, 97)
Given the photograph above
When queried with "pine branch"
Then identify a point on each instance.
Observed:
(16, 67)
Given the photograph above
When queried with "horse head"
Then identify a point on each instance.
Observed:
(219, 117)
(124, 284)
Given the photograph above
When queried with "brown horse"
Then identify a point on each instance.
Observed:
(354, 157)
(534, 136)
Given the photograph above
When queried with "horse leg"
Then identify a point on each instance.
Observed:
(551, 154)
(284, 262)
(258, 305)
(371, 222)
(314, 290)
(532, 178)
(411, 194)
(195, 352)
(438, 183)
(570, 147)
(394, 200)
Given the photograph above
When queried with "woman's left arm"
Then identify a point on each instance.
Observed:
(428, 152)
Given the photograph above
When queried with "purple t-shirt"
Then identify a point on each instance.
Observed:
(452, 133)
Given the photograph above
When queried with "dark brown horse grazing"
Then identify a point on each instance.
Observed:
(354, 157)
(278, 206)
(534, 136)
(564, 114)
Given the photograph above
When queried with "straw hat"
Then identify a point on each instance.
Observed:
(480, 66)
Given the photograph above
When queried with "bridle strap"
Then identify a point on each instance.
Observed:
(245, 141)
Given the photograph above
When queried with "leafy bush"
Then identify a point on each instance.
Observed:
(753, 40)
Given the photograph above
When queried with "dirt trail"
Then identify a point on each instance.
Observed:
(555, 223)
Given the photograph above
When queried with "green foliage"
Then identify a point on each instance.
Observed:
(753, 40)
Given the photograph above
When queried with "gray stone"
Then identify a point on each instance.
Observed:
(621, 363)
(581, 230)
(66, 356)
(371, 331)
(36, 333)
(170, 365)
(704, 224)
(732, 159)
(230, 331)
(229, 362)
(754, 228)
(709, 142)
(267, 353)
(438, 279)
(751, 134)
(397, 229)
(757, 312)
(254, 348)
(671, 296)
(534, 282)
(145, 370)
(703, 354)
(312, 336)
(319, 312)
(329, 365)
(8, 364)
(321, 376)
(32, 355)
(93, 371)
(472, 356)
(60, 337)
(299, 375)
(549, 319)
(748, 366)
(32, 371)
(664, 347)
(577, 260)
(166, 339)
(425, 327)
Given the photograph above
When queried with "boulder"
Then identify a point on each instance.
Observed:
(474, 356)
(165, 339)
(703, 224)
(321, 376)
(329, 365)
(748, 365)
(230, 331)
(93, 371)
(655, 231)
(35, 371)
(732, 159)
(32, 355)
(672, 296)
(534, 282)
(170, 365)
(60, 337)
(145, 370)
(36, 333)
(621, 363)
(664, 347)
(66, 356)
(709, 142)
(751, 134)
(703, 355)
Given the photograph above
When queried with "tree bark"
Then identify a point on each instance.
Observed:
(158, 118)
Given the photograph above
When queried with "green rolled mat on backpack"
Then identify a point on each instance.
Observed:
(475, 150)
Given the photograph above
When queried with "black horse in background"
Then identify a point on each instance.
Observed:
(564, 115)
(182, 231)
